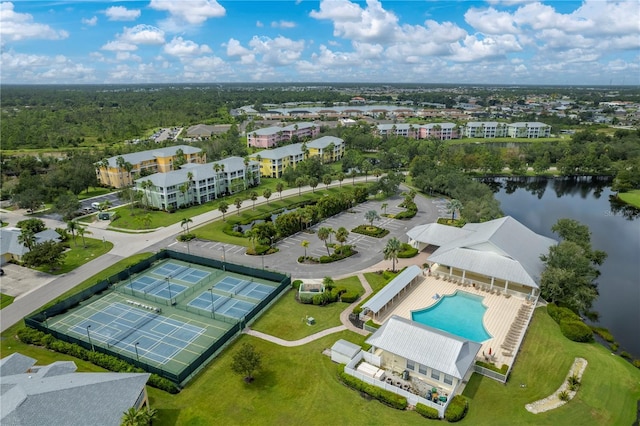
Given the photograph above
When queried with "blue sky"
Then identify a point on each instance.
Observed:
(419, 41)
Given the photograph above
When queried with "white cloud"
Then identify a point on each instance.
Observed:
(180, 47)
(91, 22)
(16, 26)
(142, 34)
(127, 56)
(30, 68)
(121, 13)
(259, 24)
(191, 12)
(236, 50)
(283, 24)
(372, 23)
(491, 21)
(278, 51)
(119, 46)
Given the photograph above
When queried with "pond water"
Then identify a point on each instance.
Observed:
(248, 226)
(615, 228)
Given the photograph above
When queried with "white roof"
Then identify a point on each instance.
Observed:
(528, 124)
(325, 141)
(394, 287)
(502, 248)
(139, 157)
(428, 346)
(436, 233)
(345, 347)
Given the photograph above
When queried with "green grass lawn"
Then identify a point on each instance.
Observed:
(5, 300)
(78, 255)
(608, 394)
(94, 192)
(631, 197)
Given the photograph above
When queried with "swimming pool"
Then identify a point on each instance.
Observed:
(460, 314)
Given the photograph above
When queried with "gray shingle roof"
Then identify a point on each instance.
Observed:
(428, 346)
(392, 288)
(280, 152)
(56, 395)
(9, 240)
(503, 248)
(325, 141)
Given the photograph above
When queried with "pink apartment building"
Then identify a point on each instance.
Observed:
(270, 137)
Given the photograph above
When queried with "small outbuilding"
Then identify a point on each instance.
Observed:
(343, 351)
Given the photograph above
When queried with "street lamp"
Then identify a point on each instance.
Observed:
(89, 337)
(136, 348)
(211, 292)
(45, 319)
(169, 287)
(224, 254)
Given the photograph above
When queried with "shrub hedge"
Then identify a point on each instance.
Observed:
(296, 284)
(493, 367)
(604, 333)
(371, 231)
(407, 251)
(389, 398)
(558, 313)
(31, 336)
(349, 297)
(576, 330)
(457, 409)
(428, 412)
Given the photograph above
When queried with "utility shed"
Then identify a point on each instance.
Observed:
(343, 351)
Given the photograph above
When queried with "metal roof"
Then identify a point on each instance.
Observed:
(428, 346)
(325, 141)
(502, 248)
(436, 233)
(199, 172)
(394, 287)
(345, 347)
(139, 157)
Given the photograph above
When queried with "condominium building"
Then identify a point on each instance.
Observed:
(485, 129)
(270, 137)
(273, 162)
(529, 129)
(197, 183)
(441, 131)
(113, 171)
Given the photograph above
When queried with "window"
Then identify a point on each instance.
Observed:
(448, 379)
(422, 369)
(411, 365)
(435, 374)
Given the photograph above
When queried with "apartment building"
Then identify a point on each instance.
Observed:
(196, 183)
(529, 129)
(273, 162)
(441, 131)
(113, 171)
(485, 129)
(270, 137)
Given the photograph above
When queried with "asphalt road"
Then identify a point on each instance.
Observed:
(127, 244)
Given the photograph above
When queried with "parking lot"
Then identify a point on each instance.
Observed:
(18, 280)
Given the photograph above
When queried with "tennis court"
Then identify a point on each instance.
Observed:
(123, 326)
(162, 288)
(216, 304)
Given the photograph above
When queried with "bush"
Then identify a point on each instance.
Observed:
(636, 363)
(306, 299)
(370, 323)
(604, 333)
(357, 310)
(614, 346)
(349, 297)
(260, 249)
(407, 214)
(576, 331)
(564, 395)
(186, 237)
(389, 398)
(407, 251)
(371, 231)
(559, 313)
(625, 354)
(493, 367)
(296, 284)
(457, 409)
(428, 412)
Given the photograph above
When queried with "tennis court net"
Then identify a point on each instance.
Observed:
(129, 330)
(241, 287)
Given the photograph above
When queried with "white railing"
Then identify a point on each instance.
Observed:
(502, 378)
(372, 359)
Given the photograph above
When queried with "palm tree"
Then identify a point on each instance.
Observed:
(253, 196)
(252, 236)
(105, 205)
(377, 173)
(326, 179)
(280, 188)
(223, 207)
(353, 175)
(72, 227)
(391, 251)
(313, 183)
(183, 189)
(342, 235)
(146, 220)
(328, 282)
(323, 234)
(120, 164)
(246, 170)
(189, 186)
(305, 244)
(28, 238)
(238, 203)
(452, 206)
(300, 182)
(370, 216)
(216, 169)
(366, 168)
(82, 231)
(266, 194)
(132, 417)
(185, 223)
(341, 177)
(384, 207)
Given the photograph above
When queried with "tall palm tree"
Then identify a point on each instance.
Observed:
(216, 169)
(28, 238)
(366, 168)
(223, 207)
(266, 194)
(305, 244)
(323, 234)
(253, 196)
(342, 235)
(183, 190)
(72, 227)
(341, 177)
(326, 179)
(82, 231)
(370, 216)
(185, 223)
(238, 203)
(452, 206)
(300, 182)
(280, 188)
(384, 207)
(190, 186)
(120, 164)
(391, 251)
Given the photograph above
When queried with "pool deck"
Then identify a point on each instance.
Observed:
(500, 315)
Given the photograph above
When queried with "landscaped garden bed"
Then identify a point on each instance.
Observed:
(370, 231)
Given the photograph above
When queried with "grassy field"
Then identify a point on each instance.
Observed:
(94, 192)
(5, 300)
(78, 254)
(608, 394)
(631, 197)
(287, 318)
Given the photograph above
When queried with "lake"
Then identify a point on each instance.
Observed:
(615, 228)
